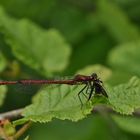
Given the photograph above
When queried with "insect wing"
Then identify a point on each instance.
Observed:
(103, 91)
(100, 90)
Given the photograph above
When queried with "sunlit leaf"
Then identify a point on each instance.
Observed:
(125, 98)
(61, 102)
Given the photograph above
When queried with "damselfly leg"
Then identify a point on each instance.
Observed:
(91, 91)
(88, 86)
(81, 91)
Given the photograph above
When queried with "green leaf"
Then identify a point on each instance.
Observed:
(61, 102)
(129, 124)
(43, 50)
(126, 57)
(125, 98)
(117, 23)
(3, 90)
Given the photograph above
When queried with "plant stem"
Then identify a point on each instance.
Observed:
(22, 130)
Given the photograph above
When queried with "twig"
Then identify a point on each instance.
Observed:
(11, 114)
(22, 130)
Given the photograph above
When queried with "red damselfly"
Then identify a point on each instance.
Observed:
(92, 84)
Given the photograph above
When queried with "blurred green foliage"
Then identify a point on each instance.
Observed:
(47, 38)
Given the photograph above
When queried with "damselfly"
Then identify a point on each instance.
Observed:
(93, 85)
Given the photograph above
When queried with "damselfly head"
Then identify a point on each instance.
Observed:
(94, 76)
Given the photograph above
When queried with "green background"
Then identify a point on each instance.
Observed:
(49, 38)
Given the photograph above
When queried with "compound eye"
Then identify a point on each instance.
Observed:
(94, 75)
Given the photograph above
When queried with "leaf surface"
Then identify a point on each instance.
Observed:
(125, 98)
(60, 102)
